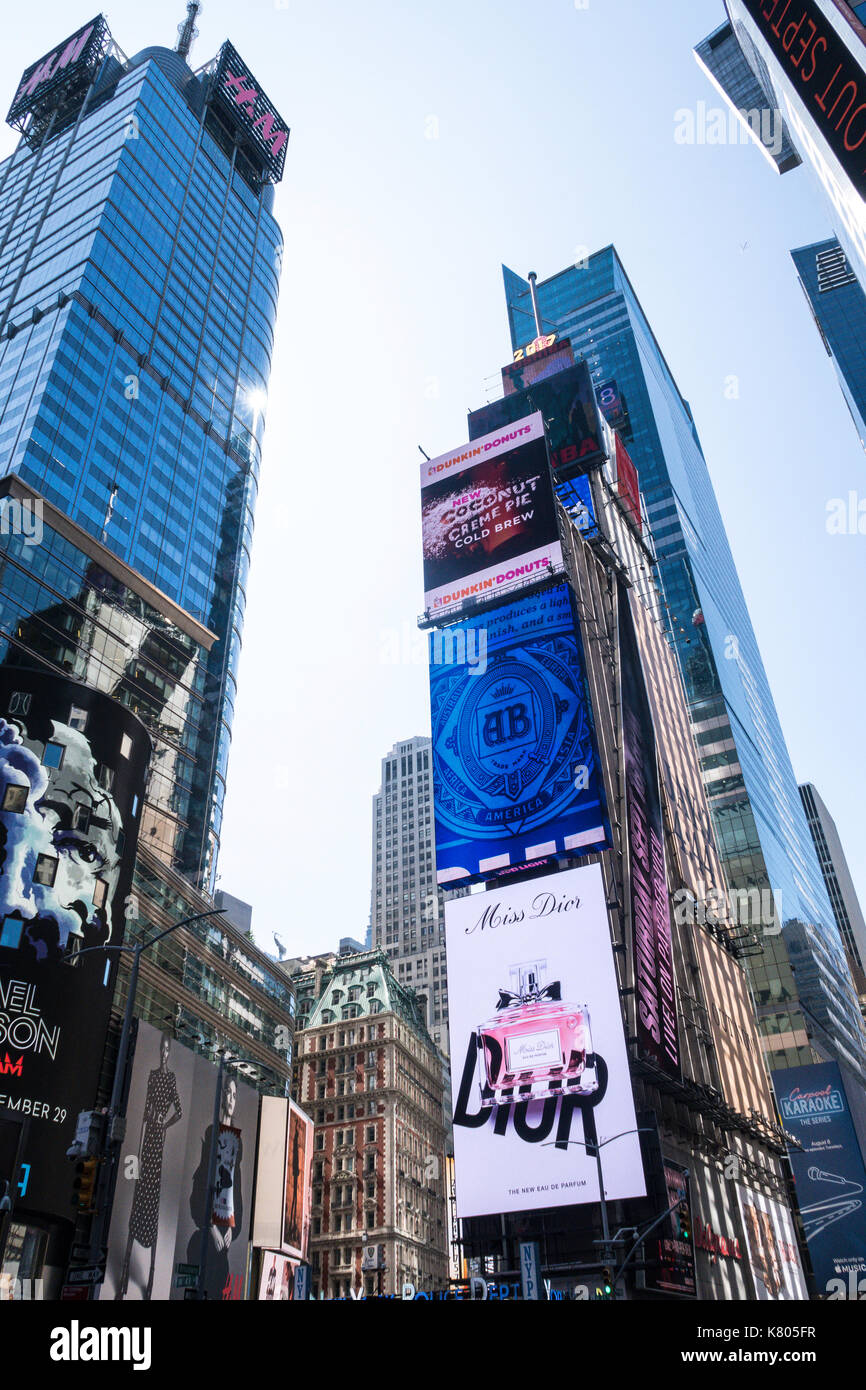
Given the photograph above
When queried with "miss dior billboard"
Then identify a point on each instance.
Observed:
(537, 1047)
(72, 776)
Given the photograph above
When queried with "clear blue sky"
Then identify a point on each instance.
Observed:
(555, 130)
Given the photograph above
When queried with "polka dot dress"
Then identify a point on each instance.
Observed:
(161, 1095)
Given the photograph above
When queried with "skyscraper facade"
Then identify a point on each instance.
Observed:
(838, 307)
(761, 829)
(407, 914)
(837, 875)
(139, 265)
(810, 61)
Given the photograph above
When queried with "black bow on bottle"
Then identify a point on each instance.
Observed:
(551, 993)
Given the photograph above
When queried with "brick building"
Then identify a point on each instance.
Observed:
(370, 1075)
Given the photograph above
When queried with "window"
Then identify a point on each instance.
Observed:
(100, 892)
(126, 746)
(15, 799)
(10, 935)
(46, 871)
(371, 1134)
(78, 719)
(81, 817)
(53, 755)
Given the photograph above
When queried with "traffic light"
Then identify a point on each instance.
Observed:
(685, 1221)
(606, 1290)
(85, 1183)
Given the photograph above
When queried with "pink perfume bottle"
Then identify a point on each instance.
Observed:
(536, 1045)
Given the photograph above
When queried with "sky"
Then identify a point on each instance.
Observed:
(430, 143)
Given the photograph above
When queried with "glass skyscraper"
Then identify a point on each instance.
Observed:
(139, 268)
(838, 306)
(761, 828)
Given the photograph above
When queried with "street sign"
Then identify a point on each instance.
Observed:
(186, 1269)
(530, 1272)
(185, 1281)
(94, 1275)
(302, 1282)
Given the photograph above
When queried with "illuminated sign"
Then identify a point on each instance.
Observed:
(238, 93)
(824, 73)
(545, 341)
(81, 53)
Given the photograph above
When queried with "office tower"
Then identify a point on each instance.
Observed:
(749, 94)
(406, 908)
(838, 307)
(837, 875)
(810, 62)
(760, 826)
(139, 265)
(369, 1074)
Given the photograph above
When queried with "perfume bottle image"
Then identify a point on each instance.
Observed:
(535, 1045)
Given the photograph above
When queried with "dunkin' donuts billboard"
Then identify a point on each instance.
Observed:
(488, 517)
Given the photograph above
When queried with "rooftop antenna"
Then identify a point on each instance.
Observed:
(532, 277)
(187, 32)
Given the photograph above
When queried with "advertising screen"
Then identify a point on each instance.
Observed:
(299, 1159)
(568, 405)
(516, 775)
(72, 775)
(535, 362)
(823, 71)
(162, 1204)
(672, 1244)
(277, 1283)
(655, 996)
(828, 1171)
(611, 404)
(537, 1047)
(627, 484)
(772, 1246)
(487, 516)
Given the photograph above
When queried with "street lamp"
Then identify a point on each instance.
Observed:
(598, 1145)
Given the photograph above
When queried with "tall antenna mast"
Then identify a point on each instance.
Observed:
(187, 32)
(534, 296)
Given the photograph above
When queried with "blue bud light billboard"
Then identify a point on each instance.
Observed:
(829, 1172)
(516, 773)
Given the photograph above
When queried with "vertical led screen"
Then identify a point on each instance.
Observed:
(487, 517)
(650, 910)
(772, 1246)
(162, 1203)
(673, 1270)
(72, 774)
(299, 1159)
(516, 776)
(828, 1171)
(537, 1047)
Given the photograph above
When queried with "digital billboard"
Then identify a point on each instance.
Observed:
(612, 404)
(277, 1282)
(672, 1244)
(568, 405)
(73, 764)
(299, 1160)
(79, 55)
(537, 1047)
(824, 73)
(627, 484)
(162, 1204)
(655, 992)
(516, 776)
(772, 1246)
(829, 1173)
(535, 362)
(488, 518)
